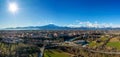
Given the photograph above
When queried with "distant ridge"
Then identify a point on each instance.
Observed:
(55, 27)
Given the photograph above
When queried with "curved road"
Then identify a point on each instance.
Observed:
(89, 50)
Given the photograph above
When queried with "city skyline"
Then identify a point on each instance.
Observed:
(92, 13)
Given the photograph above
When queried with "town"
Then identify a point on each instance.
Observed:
(68, 43)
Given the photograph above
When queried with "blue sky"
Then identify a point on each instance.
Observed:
(61, 12)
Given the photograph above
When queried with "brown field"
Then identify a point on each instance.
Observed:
(116, 39)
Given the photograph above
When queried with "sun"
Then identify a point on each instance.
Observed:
(13, 7)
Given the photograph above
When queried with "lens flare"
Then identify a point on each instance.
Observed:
(13, 7)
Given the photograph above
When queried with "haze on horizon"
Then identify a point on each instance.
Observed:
(92, 13)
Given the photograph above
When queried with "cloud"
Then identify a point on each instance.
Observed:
(90, 24)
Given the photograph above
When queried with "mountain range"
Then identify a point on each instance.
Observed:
(55, 27)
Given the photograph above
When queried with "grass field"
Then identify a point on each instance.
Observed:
(103, 38)
(55, 53)
(93, 44)
(114, 45)
(114, 39)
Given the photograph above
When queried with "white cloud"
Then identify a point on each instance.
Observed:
(90, 24)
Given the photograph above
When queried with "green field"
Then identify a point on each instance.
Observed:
(103, 38)
(114, 45)
(94, 44)
(55, 53)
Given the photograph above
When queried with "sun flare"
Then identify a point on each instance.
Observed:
(13, 7)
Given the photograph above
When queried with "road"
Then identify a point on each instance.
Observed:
(41, 54)
(102, 52)
(77, 46)
(89, 50)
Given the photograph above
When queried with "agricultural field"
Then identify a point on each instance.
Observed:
(56, 53)
(7, 49)
(97, 43)
(114, 43)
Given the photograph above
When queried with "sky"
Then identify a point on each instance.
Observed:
(92, 13)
